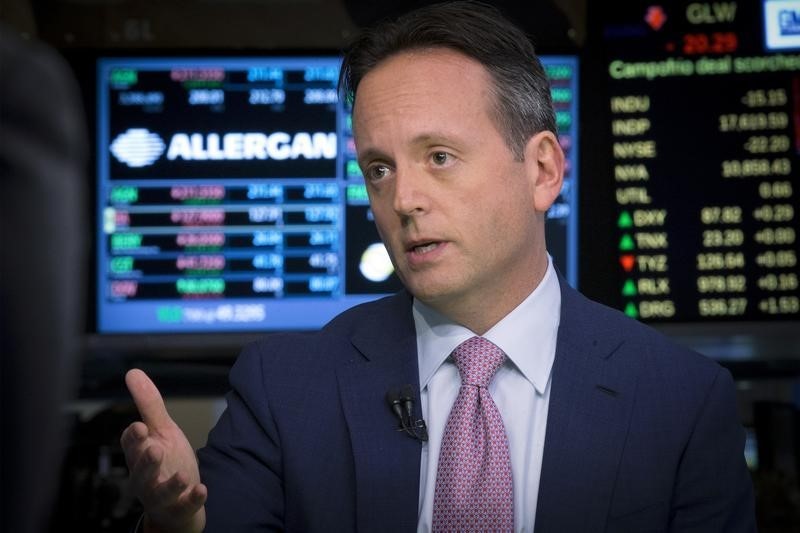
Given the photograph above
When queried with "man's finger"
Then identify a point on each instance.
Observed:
(147, 468)
(168, 492)
(192, 501)
(134, 442)
(179, 508)
(148, 400)
(198, 495)
(133, 435)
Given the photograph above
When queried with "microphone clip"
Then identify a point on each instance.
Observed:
(401, 402)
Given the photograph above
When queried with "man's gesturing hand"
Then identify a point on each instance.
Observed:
(163, 467)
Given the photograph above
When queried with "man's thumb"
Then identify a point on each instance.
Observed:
(147, 398)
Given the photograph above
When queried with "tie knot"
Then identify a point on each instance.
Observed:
(477, 360)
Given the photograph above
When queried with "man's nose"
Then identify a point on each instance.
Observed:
(410, 191)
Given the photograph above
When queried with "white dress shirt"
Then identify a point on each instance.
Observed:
(520, 388)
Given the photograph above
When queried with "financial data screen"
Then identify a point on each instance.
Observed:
(229, 197)
(703, 136)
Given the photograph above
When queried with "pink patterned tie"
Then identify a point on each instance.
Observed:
(473, 482)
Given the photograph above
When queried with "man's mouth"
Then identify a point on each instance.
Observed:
(424, 248)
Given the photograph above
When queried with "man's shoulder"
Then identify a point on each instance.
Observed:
(335, 337)
(291, 363)
(372, 314)
(624, 335)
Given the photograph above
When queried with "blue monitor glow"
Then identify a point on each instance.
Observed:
(229, 198)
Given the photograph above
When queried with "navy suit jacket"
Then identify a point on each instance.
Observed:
(642, 435)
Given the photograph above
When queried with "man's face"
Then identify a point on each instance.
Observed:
(455, 210)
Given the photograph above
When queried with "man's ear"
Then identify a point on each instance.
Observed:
(544, 160)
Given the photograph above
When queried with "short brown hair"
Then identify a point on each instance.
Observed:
(523, 105)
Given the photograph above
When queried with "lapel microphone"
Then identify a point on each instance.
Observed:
(401, 402)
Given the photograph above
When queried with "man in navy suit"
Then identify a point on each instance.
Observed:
(610, 427)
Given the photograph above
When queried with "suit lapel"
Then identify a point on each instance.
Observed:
(386, 461)
(591, 400)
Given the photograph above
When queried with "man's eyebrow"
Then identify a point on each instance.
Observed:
(434, 137)
(370, 154)
(421, 140)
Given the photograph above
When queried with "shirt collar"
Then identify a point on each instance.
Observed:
(527, 334)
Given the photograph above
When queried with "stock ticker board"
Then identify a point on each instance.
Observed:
(703, 137)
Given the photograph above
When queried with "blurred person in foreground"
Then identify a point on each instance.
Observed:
(43, 156)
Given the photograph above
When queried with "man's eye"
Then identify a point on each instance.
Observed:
(377, 172)
(440, 158)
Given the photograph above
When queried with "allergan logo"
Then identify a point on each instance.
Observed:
(140, 147)
(137, 147)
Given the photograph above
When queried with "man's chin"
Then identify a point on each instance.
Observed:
(435, 295)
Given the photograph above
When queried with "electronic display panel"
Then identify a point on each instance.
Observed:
(700, 129)
(229, 198)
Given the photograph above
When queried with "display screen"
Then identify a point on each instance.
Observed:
(229, 197)
(701, 130)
